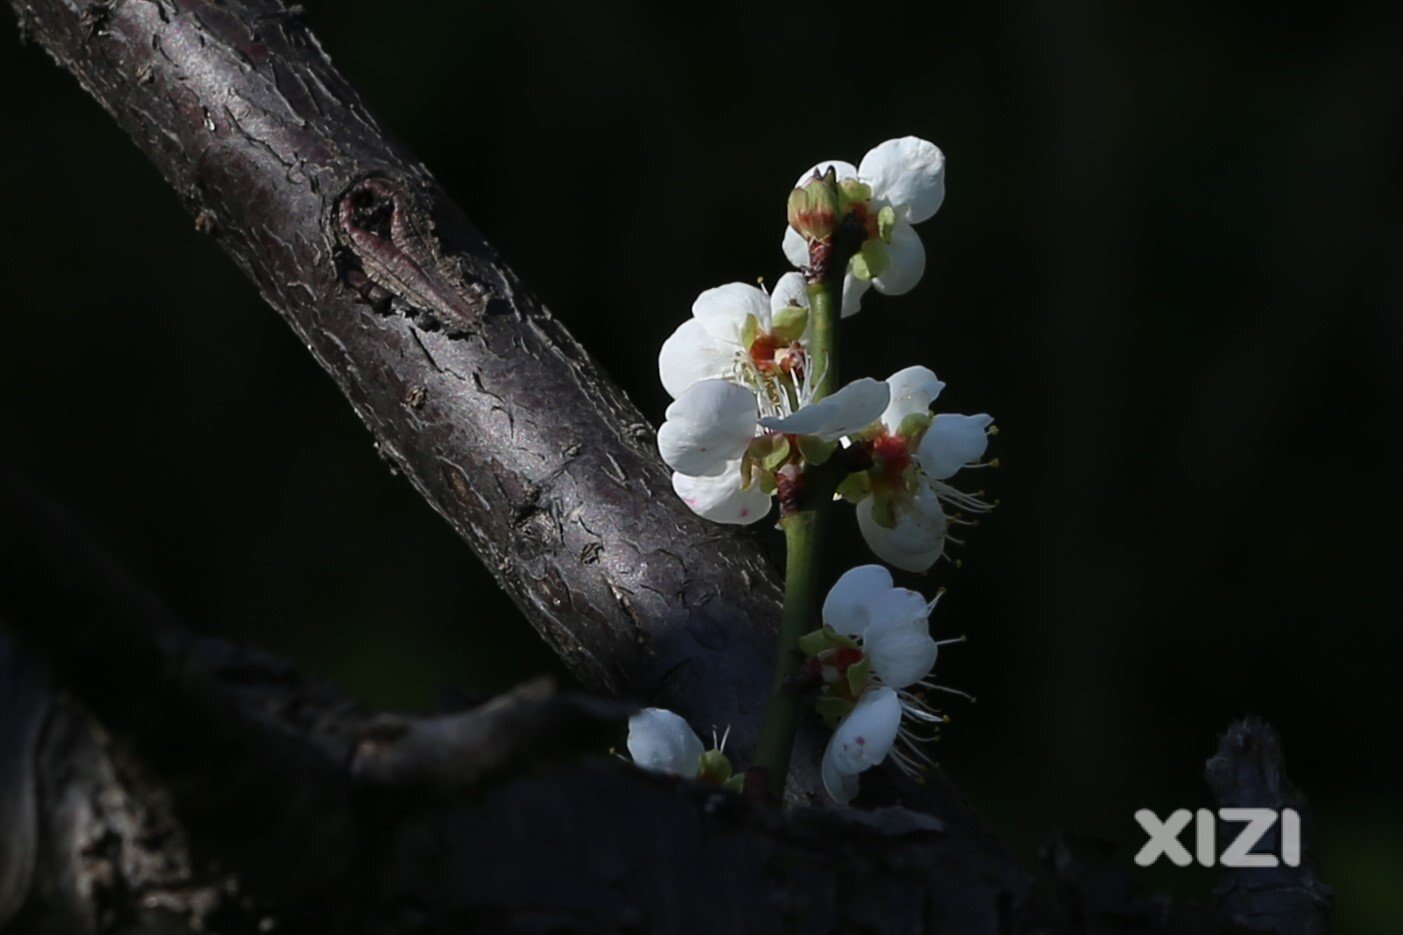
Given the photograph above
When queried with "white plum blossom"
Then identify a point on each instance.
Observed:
(891, 624)
(861, 740)
(874, 656)
(737, 332)
(901, 510)
(660, 741)
(746, 424)
(708, 426)
(725, 498)
(704, 438)
(709, 438)
(898, 183)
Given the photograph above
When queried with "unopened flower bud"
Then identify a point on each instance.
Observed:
(814, 206)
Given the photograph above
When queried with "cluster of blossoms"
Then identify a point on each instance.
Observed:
(741, 379)
(898, 183)
(871, 662)
(755, 417)
(870, 666)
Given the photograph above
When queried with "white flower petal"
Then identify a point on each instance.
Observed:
(952, 442)
(898, 641)
(861, 741)
(844, 170)
(720, 498)
(790, 290)
(843, 787)
(724, 309)
(691, 354)
(912, 390)
(661, 741)
(796, 248)
(906, 173)
(908, 262)
(708, 426)
(853, 289)
(852, 408)
(919, 536)
(845, 609)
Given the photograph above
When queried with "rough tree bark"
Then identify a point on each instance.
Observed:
(151, 782)
(199, 784)
(472, 390)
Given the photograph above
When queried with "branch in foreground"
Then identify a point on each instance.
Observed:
(593, 846)
(231, 776)
(455, 822)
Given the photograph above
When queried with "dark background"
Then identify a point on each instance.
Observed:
(1167, 263)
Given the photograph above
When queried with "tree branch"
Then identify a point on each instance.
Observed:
(486, 404)
(458, 822)
(258, 797)
(1249, 771)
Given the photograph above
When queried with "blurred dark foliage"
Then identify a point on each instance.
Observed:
(1168, 263)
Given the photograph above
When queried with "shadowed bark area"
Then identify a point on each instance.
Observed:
(158, 783)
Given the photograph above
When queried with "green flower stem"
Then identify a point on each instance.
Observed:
(803, 537)
(823, 336)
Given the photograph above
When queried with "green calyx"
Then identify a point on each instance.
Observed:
(855, 487)
(749, 331)
(788, 324)
(766, 454)
(859, 674)
(883, 509)
(886, 223)
(816, 451)
(778, 451)
(833, 709)
(871, 261)
(714, 767)
(824, 639)
(852, 192)
(914, 426)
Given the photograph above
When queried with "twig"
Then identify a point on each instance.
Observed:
(1249, 770)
